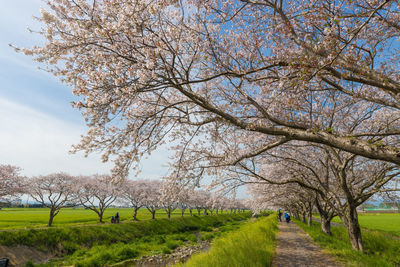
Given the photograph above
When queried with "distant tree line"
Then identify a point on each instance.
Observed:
(98, 192)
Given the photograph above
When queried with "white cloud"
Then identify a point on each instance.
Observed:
(39, 143)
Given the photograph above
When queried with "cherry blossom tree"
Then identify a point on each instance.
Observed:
(169, 198)
(201, 68)
(133, 193)
(152, 197)
(12, 183)
(96, 193)
(54, 191)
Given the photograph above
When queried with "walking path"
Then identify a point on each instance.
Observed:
(295, 248)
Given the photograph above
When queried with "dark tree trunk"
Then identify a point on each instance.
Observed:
(326, 217)
(326, 225)
(304, 216)
(190, 211)
(350, 220)
(153, 215)
(182, 212)
(198, 211)
(309, 214)
(169, 214)
(135, 213)
(52, 214)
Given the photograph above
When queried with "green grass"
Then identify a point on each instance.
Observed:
(388, 222)
(381, 248)
(251, 245)
(21, 218)
(101, 245)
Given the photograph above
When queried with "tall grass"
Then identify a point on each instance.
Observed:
(154, 237)
(251, 245)
(381, 248)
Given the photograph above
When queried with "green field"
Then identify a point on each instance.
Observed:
(21, 218)
(388, 222)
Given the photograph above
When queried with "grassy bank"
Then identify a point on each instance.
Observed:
(251, 245)
(21, 218)
(382, 248)
(103, 245)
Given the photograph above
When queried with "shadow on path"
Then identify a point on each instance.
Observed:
(295, 248)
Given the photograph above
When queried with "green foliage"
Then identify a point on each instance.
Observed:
(29, 264)
(250, 245)
(381, 249)
(107, 244)
(71, 237)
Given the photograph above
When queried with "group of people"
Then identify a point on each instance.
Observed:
(115, 219)
(286, 216)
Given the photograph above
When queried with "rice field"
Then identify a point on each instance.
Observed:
(388, 222)
(26, 218)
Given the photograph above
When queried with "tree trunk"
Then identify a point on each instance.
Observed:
(153, 215)
(350, 220)
(216, 211)
(190, 210)
(304, 216)
(100, 217)
(51, 218)
(309, 218)
(326, 217)
(182, 212)
(135, 214)
(222, 211)
(326, 225)
(169, 214)
(198, 211)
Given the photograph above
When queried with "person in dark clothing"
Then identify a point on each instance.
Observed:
(280, 215)
(112, 219)
(117, 218)
(287, 217)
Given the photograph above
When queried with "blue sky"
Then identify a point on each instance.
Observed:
(38, 124)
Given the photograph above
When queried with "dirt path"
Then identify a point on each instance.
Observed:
(295, 248)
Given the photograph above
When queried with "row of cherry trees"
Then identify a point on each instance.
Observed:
(98, 192)
(302, 177)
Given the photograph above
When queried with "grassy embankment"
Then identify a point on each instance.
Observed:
(21, 218)
(382, 248)
(251, 245)
(108, 244)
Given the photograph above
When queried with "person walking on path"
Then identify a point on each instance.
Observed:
(287, 217)
(117, 218)
(280, 215)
